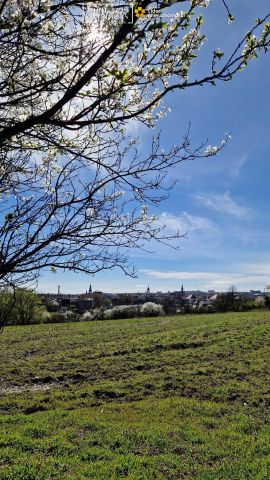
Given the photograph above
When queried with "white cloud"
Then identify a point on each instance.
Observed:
(187, 223)
(173, 275)
(134, 127)
(216, 280)
(238, 165)
(262, 268)
(224, 203)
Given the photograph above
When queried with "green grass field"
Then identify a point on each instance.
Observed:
(164, 398)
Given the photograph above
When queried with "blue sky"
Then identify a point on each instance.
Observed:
(221, 202)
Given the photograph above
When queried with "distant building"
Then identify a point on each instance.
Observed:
(87, 294)
(190, 299)
(85, 301)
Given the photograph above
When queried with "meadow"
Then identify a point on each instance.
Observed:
(183, 397)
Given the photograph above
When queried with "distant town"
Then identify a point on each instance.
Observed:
(172, 301)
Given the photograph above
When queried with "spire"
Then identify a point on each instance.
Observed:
(90, 288)
(148, 289)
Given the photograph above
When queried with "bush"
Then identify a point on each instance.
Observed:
(122, 311)
(62, 317)
(260, 302)
(150, 309)
(88, 316)
(21, 307)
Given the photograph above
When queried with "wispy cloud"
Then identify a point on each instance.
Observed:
(187, 223)
(224, 203)
(133, 127)
(259, 268)
(173, 275)
(238, 165)
(216, 280)
(251, 237)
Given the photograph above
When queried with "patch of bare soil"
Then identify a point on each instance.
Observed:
(27, 388)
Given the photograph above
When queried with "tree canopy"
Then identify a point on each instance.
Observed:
(75, 189)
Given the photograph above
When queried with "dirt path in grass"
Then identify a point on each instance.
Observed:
(27, 388)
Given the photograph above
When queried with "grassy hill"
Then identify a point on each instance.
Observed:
(148, 399)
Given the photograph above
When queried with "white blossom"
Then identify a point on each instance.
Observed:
(211, 151)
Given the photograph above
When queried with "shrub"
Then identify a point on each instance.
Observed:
(21, 307)
(122, 311)
(62, 317)
(88, 316)
(150, 309)
(260, 302)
